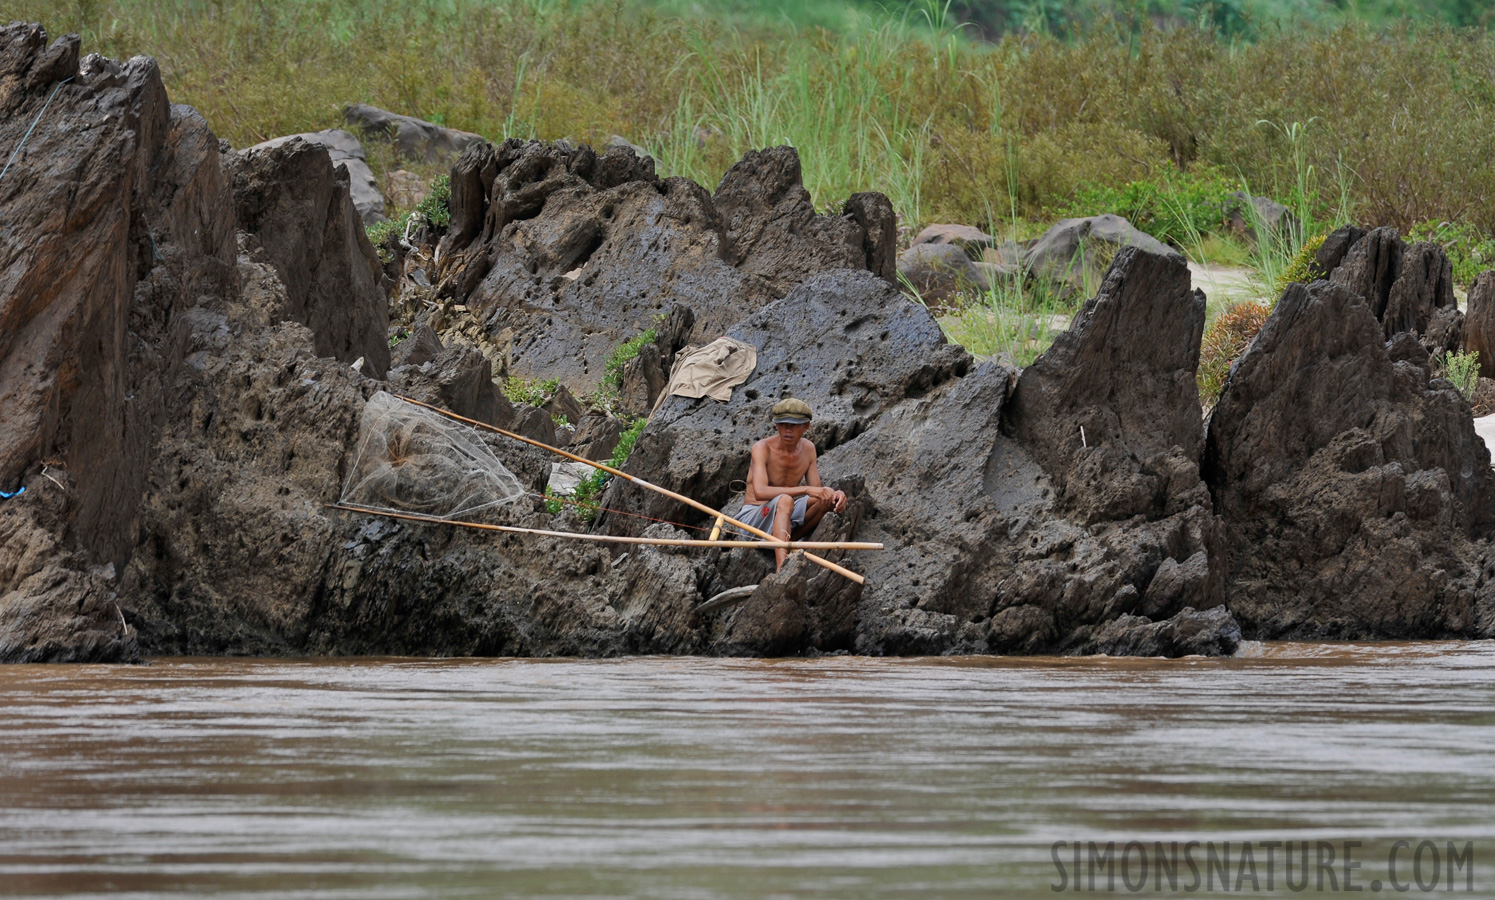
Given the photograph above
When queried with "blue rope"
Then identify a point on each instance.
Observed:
(19, 491)
(18, 150)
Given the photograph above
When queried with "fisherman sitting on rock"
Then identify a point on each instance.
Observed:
(784, 466)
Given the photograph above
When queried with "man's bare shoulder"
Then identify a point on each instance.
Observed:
(806, 446)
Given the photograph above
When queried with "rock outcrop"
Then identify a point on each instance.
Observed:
(189, 336)
(296, 205)
(123, 246)
(1408, 288)
(992, 543)
(346, 153)
(574, 252)
(117, 217)
(1356, 496)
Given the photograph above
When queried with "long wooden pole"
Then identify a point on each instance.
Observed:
(609, 538)
(791, 545)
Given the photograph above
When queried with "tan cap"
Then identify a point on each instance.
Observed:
(791, 411)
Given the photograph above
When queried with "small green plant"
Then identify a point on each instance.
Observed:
(1462, 369)
(626, 352)
(584, 498)
(533, 391)
(398, 338)
(1301, 269)
(435, 210)
(1225, 340)
(560, 420)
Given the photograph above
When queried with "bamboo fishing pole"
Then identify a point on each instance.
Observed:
(610, 538)
(791, 545)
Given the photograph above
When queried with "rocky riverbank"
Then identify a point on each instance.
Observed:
(189, 333)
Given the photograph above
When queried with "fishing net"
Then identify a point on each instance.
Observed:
(412, 460)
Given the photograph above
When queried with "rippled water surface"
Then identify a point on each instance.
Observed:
(668, 778)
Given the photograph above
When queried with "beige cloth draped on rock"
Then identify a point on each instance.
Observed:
(711, 371)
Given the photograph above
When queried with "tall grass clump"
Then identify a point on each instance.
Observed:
(1394, 121)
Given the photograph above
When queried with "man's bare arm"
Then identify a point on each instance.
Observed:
(836, 499)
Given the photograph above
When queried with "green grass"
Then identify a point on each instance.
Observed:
(907, 102)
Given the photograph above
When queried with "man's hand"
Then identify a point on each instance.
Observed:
(836, 499)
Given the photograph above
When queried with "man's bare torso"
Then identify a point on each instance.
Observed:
(785, 467)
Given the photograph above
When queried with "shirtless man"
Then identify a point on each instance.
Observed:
(784, 466)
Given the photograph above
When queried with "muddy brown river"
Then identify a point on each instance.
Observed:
(699, 778)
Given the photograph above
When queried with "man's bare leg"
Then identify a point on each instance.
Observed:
(783, 511)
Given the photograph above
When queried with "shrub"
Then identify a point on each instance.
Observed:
(1463, 370)
(1469, 251)
(533, 391)
(1225, 340)
(1179, 210)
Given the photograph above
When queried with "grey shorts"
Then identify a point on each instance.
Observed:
(761, 517)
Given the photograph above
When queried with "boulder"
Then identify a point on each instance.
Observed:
(1213, 632)
(1355, 494)
(576, 252)
(618, 140)
(297, 207)
(1247, 216)
(414, 138)
(972, 240)
(346, 153)
(1479, 323)
(406, 189)
(1074, 252)
(941, 274)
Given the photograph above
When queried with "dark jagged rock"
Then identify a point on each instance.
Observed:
(117, 218)
(576, 252)
(1408, 288)
(297, 205)
(1354, 491)
(1479, 325)
(982, 553)
(1119, 430)
(1331, 253)
(346, 153)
